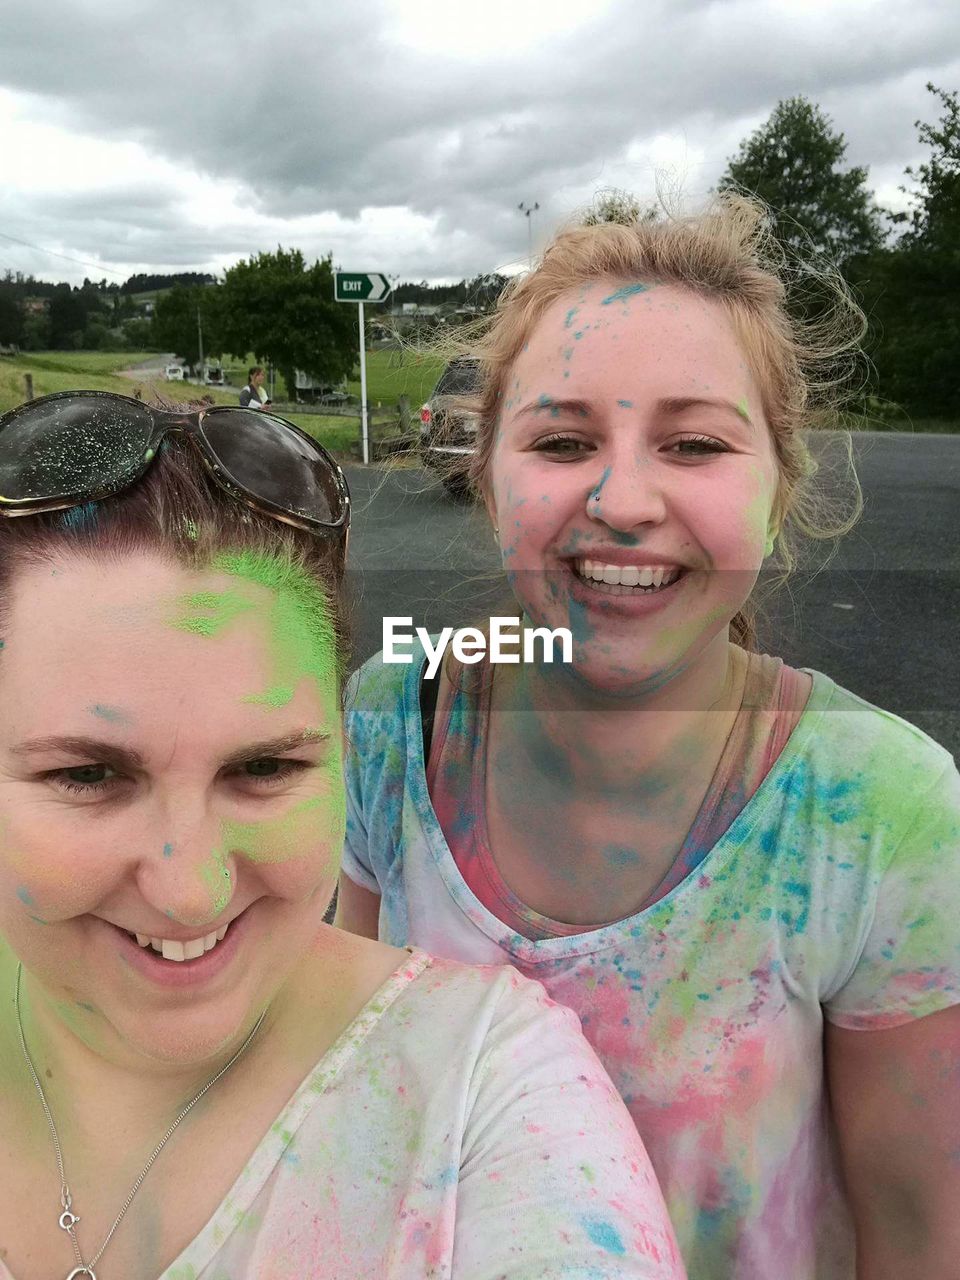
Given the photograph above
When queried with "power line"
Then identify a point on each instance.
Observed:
(96, 266)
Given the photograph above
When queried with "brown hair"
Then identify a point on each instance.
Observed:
(178, 512)
(726, 254)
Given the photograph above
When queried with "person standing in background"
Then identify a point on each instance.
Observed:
(254, 394)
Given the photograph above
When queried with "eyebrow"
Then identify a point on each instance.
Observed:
(669, 405)
(680, 404)
(578, 408)
(117, 756)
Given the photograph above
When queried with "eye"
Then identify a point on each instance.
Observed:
(84, 779)
(271, 770)
(698, 446)
(561, 445)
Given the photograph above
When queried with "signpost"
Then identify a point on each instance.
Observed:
(361, 287)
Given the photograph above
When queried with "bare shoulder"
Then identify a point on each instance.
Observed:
(339, 975)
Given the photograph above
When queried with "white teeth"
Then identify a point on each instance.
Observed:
(193, 950)
(627, 575)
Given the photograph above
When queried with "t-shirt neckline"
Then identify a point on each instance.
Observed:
(544, 950)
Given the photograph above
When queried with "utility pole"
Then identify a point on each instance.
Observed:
(528, 210)
(200, 342)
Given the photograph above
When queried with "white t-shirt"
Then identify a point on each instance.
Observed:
(834, 895)
(460, 1127)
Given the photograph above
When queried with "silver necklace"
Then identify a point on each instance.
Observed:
(68, 1219)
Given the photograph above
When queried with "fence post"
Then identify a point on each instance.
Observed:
(403, 412)
(28, 385)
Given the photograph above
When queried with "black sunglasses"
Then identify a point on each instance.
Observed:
(74, 447)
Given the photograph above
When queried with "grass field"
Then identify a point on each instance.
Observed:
(99, 371)
(390, 374)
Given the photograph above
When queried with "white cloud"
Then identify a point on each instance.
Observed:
(402, 134)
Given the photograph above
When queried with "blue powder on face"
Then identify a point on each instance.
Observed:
(167, 850)
(25, 897)
(625, 404)
(603, 480)
(627, 291)
(112, 714)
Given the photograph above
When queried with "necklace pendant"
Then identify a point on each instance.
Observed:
(82, 1271)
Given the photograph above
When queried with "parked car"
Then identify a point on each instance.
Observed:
(173, 373)
(448, 430)
(213, 375)
(310, 390)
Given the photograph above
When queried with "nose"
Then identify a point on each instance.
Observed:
(186, 870)
(627, 495)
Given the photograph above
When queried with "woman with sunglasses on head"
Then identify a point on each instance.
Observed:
(744, 879)
(197, 1076)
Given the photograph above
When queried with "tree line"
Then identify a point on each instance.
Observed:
(904, 268)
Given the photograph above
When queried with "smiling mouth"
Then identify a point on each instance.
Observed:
(615, 579)
(176, 951)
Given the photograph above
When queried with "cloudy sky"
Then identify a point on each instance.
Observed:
(401, 135)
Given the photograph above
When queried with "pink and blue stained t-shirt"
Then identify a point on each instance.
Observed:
(833, 894)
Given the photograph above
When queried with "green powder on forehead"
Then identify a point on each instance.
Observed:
(300, 629)
(206, 613)
(302, 635)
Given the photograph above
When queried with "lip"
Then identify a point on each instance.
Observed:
(179, 974)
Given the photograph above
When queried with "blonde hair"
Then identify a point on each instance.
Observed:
(727, 254)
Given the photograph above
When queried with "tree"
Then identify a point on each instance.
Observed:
(282, 310)
(795, 164)
(182, 315)
(11, 314)
(67, 314)
(914, 289)
(614, 205)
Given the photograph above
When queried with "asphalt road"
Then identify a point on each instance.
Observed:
(883, 618)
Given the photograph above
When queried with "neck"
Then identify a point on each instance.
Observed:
(660, 733)
(89, 1088)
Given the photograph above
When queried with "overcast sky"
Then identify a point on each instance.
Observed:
(401, 135)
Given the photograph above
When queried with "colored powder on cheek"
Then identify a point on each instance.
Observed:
(25, 897)
(742, 409)
(295, 834)
(628, 291)
(168, 850)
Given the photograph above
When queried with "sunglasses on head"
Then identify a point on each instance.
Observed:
(74, 447)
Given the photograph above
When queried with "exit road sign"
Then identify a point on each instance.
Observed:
(360, 286)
